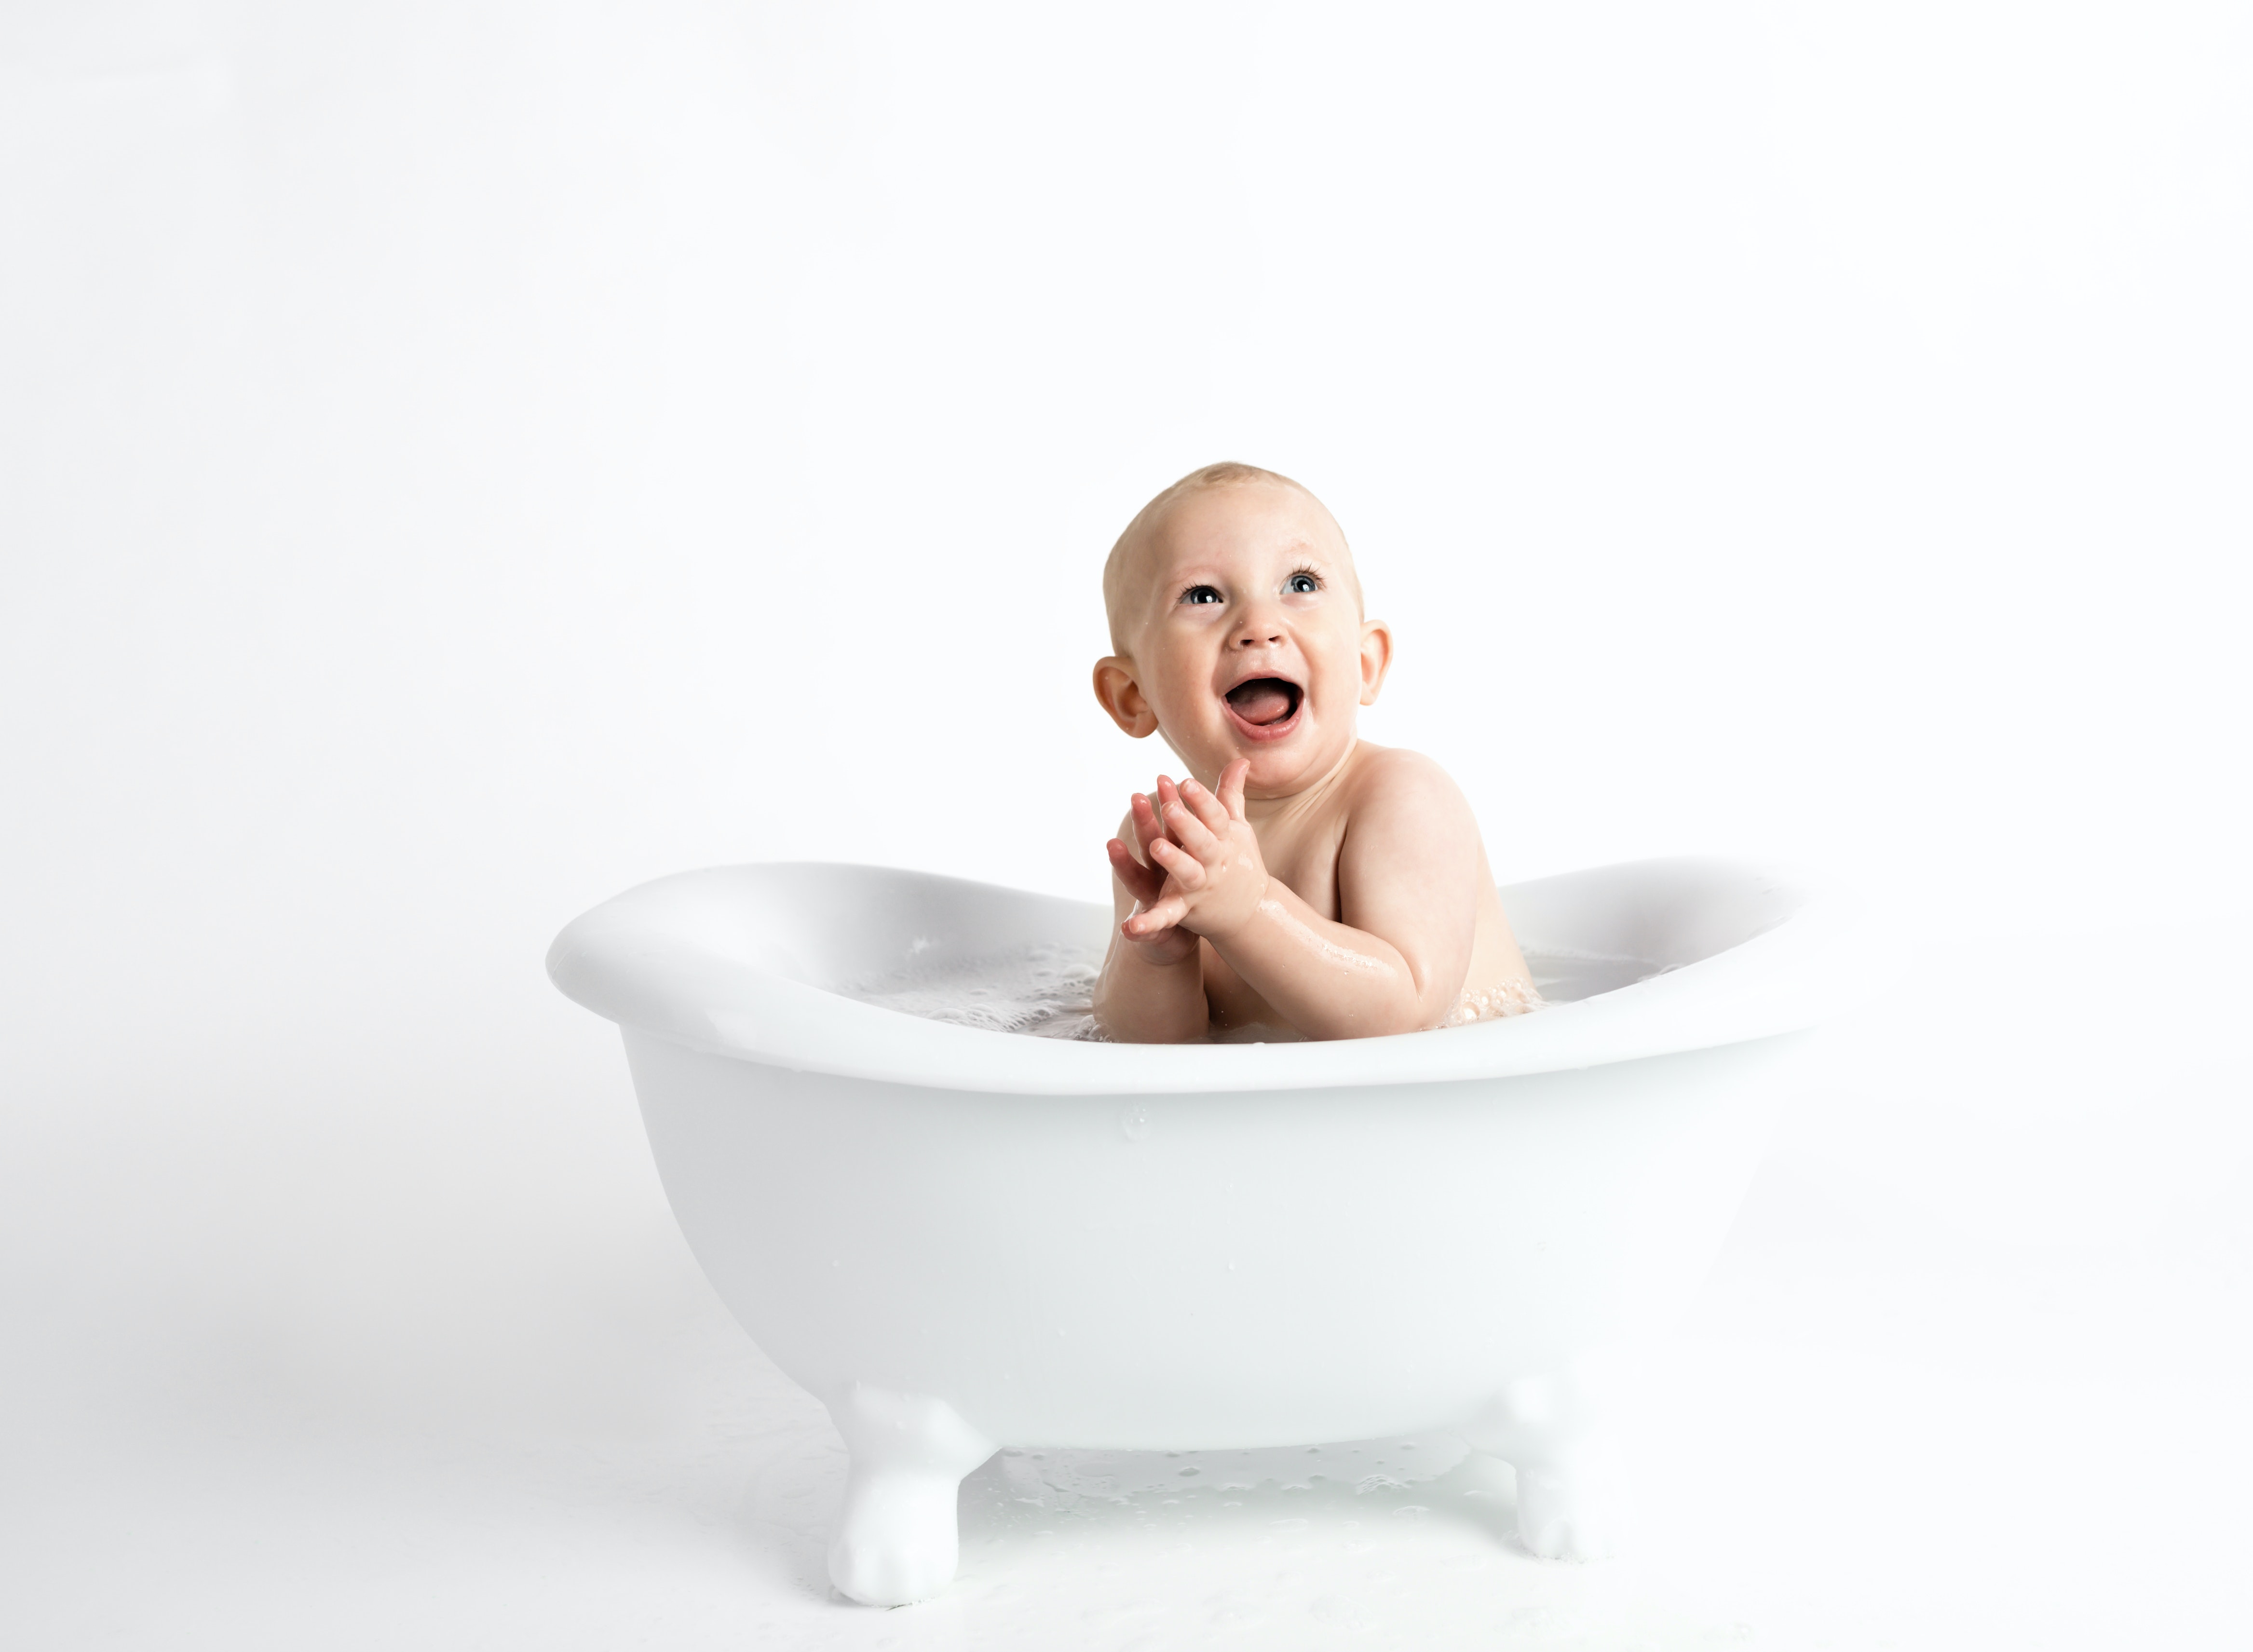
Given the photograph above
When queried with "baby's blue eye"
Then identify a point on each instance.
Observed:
(1200, 594)
(1302, 585)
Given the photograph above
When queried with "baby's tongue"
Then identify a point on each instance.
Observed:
(1262, 701)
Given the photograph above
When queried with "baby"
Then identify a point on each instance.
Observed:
(1299, 879)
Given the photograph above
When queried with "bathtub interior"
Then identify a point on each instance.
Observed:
(755, 961)
(1599, 931)
(835, 926)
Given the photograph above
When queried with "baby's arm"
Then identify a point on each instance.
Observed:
(1408, 878)
(1151, 988)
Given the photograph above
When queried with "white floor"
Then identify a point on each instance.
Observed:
(1972, 1372)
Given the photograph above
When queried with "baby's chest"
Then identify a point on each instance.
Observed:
(1309, 865)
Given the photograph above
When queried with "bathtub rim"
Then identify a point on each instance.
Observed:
(618, 960)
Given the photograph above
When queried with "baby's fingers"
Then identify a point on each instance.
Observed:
(1209, 809)
(1150, 817)
(1192, 833)
(1182, 867)
(1140, 882)
(1148, 827)
(1232, 788)
(1143, 926)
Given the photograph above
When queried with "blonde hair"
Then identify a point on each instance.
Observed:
(1228, 473)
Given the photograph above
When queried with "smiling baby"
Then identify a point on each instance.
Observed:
(1299, 879)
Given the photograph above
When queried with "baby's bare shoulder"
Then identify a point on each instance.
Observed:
(1409, 834)
(1397, 797)
(1387, 777)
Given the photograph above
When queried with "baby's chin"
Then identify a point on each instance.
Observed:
(1282, 764)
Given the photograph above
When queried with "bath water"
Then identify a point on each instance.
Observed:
(1048, 991)
(1045, 992)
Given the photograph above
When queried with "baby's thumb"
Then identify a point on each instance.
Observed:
(1163, 915)
(1231, 789)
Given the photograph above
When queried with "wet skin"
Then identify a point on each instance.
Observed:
(1299, 877)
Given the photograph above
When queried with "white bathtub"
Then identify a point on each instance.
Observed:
(962, 1239)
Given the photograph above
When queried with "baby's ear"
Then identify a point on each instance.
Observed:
(1119, 694)
(1376, 658)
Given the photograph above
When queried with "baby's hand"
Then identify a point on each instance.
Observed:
(1164, 942)
(1215, 878)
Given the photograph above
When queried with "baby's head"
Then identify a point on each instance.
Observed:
(1236, 630)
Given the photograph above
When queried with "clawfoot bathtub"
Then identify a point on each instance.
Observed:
(962, 1239)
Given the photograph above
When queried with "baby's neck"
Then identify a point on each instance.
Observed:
(1262, 811)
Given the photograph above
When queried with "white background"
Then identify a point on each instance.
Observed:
(458, 461)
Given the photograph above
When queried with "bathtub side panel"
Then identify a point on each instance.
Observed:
(1205, 1269)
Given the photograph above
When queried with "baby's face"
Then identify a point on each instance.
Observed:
(1242, 622)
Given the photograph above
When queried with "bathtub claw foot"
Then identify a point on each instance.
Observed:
(896, 1540)
(1553, 1430)
(1567, 1511)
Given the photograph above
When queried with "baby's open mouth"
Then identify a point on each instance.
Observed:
(1266, 703)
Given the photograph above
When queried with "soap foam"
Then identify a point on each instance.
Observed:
(1042, 992)
(1509, 998)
